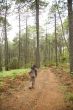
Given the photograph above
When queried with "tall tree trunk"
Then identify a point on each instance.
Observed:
(70, 16)
(46, 49)
(49, 50)
(6, 40)
(37, 33)
(60, 52)
(56, 43)
(62, 26)
(26, 43)
(19, 56)
(51, 53)
(0, 57)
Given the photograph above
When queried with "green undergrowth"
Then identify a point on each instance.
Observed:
(65, 85)
(69, 96)
(63, 88)
(64, 67)
(13, 73)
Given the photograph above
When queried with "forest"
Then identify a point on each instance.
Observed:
(36, 32)
(34, 44)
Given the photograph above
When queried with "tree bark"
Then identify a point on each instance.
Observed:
(49, 51)
(6, 40)
(56, 43)
(37, 33)
(70, 18)
(0, 57)
(46, 49)
(26, 43)
(19, 57)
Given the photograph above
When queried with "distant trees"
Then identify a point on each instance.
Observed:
(6, 27)
(61, 30)
(1, 28)
(23, 5)
(18, 8)
(30, 45)
(30, 50)
(36, 6)
(4, 24)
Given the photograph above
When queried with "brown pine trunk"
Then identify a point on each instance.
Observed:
(0, 57)
(56, 53)
(70, 16)
(37, 33)
(46, 49)
(19, 59)
(6, 40)
(26, 43)
(49, 51)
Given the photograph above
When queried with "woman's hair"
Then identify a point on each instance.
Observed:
(33, 67)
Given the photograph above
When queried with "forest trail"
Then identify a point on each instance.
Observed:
(47, 95)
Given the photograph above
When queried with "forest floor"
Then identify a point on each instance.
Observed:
(49, 92)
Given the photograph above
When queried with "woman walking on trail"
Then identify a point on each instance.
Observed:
(33, 75)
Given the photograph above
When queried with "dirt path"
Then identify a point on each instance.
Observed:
(46, 95)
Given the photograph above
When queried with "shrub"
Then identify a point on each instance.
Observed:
(69, 96)
(13, 64)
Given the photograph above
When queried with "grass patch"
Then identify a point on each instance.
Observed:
(69, 96)
(13, 73)
(65, 67)
(63, 88)
(1, 83)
